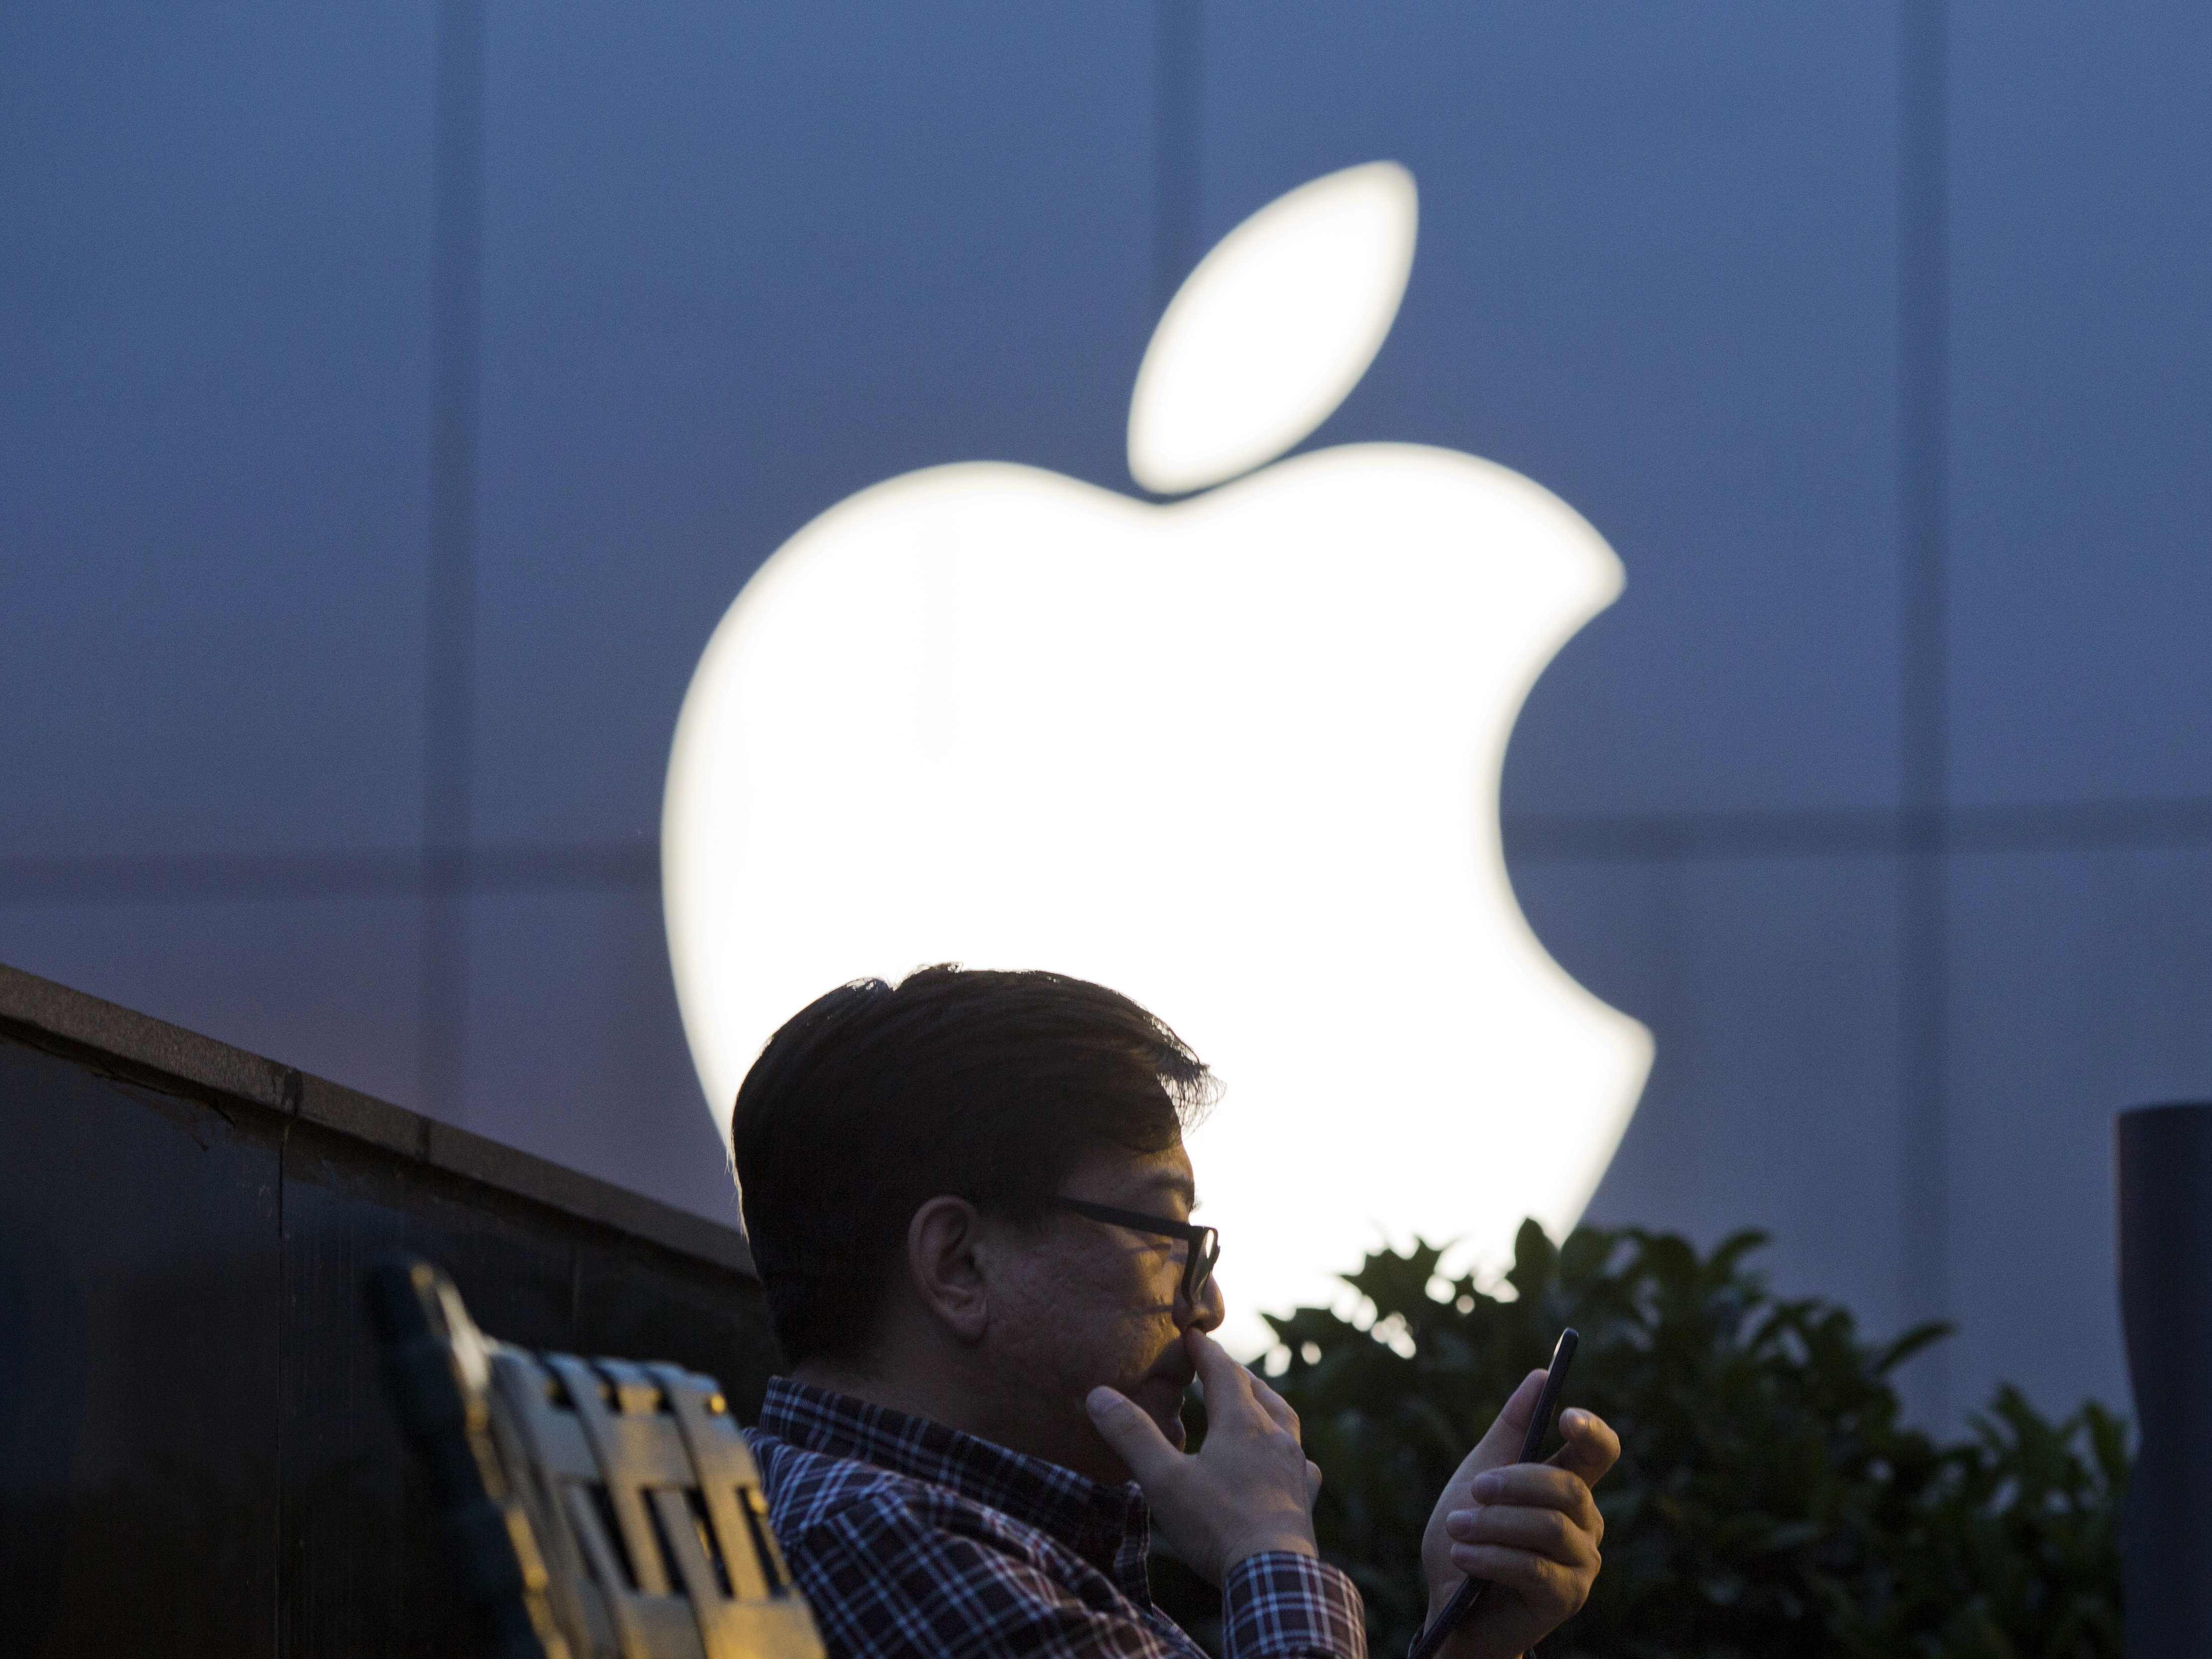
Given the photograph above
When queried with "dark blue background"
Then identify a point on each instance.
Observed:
(738, 262)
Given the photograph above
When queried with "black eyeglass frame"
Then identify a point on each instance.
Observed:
(1205, 1242)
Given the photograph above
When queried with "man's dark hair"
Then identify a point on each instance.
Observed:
(874, 1099)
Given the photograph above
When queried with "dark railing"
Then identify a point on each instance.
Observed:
(197, 1455)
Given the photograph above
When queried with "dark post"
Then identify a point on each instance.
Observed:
(2165, 1301)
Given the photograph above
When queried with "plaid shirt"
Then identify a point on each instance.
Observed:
(909, 1537)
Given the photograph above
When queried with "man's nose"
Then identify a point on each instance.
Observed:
(1211, 1308)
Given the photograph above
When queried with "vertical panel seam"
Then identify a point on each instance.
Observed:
(450, 585)
(1923, 732)
(1178, 116)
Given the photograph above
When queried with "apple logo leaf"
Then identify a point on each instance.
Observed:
(1274, 329)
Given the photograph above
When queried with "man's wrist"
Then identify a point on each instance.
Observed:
(1290, 1539)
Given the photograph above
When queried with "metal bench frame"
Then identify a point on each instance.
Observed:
(594, 1509)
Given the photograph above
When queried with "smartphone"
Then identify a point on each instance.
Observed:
(1468, 1596)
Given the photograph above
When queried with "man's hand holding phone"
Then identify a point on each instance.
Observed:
(1532, 1529)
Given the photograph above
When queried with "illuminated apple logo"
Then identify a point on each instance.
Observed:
(1236, 756)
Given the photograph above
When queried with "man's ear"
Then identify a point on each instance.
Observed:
(940, 1260)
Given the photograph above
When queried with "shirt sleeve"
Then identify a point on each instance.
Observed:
(1281, 1605)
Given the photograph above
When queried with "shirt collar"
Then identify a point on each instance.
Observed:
(1108, 1526)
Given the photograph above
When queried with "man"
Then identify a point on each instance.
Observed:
(969, 1205)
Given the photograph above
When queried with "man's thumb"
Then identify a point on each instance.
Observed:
(1503, 1443)
(1129, 1431)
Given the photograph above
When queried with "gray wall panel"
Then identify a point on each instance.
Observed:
(214, 382)
(2082, 502)
(1772, 984)
(577, 1051)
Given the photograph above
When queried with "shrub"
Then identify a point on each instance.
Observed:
(1769, 1499)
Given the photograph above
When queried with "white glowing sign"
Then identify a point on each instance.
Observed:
(1236, 756)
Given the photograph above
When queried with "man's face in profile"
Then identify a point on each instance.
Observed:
(1091, 1302)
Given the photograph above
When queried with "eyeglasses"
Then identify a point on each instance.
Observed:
(1204, 1243)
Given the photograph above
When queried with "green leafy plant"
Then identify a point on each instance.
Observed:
(1770, 1498)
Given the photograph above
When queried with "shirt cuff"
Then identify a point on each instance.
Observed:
(1281, 1603)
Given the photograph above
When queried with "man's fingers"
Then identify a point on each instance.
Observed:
(1129, 1431)
(1222, 1378)
(1225, 1380)
(1553, 1591)
(1538, 1486)
(1274, 1405)
(1312, 1481)
(1547, 1532)
(1592, 1447)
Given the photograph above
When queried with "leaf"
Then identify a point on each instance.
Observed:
(1911, 1342)
(1272, 329)
(1534, 1260)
